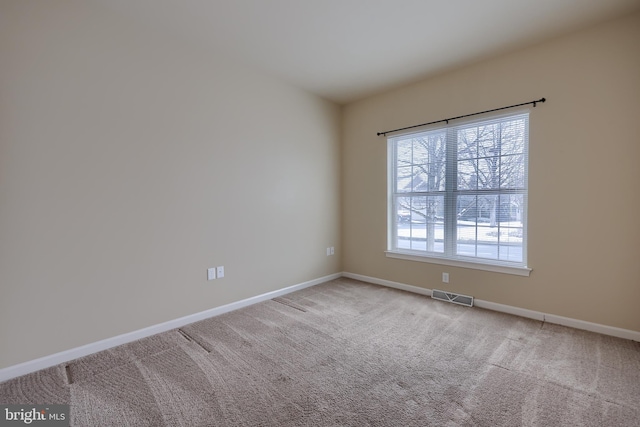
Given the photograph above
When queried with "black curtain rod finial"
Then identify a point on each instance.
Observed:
(539, 100)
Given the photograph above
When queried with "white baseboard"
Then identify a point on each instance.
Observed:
(388, 283)
(85, 350)
(593, 327)
(509, 309)
(522, 312)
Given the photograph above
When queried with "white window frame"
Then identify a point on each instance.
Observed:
(450, 258)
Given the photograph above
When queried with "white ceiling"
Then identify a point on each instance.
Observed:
(344, 50)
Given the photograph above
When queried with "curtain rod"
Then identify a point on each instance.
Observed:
(460, 117)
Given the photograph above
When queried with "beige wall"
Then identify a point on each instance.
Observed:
(584, 200)
(130, 162)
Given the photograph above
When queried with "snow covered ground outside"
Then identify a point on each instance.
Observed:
(509, 232)
(481, 241)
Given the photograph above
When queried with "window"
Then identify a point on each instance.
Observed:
(458, 194)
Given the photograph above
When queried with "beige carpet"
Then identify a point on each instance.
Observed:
(347, 353)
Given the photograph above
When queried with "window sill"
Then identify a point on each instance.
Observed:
(496, 268)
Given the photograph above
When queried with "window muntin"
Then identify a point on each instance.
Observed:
(460, 192)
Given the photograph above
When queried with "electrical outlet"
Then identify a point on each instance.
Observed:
(332, 250)
(211, 273)
(220, 272)
(445, 277)
(328, 251)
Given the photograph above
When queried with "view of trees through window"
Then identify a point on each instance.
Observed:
(461, 191)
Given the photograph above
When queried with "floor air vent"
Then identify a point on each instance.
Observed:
(454, 298)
